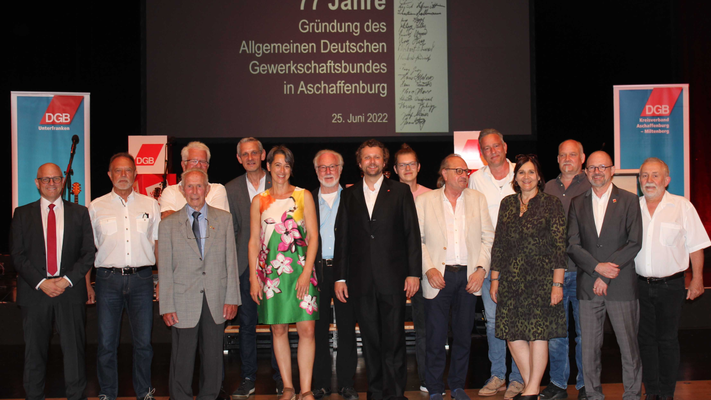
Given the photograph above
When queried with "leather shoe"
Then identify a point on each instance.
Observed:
(348, 393)
(581, 394)
(319, 393)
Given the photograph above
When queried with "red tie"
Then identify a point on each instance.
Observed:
(51, 242)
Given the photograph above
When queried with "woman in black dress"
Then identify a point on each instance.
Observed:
(527, 270)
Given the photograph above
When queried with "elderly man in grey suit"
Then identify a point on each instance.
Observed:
(197, 267)
(604, 236)
(240, 192)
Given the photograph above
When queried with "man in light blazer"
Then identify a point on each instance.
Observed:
(378, 264)
(240, 192)
(51, 265)
(604, 236)
(199, 286)
(457, 235)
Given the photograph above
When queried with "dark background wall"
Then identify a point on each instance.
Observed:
(579, 50)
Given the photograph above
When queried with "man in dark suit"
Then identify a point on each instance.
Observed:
(240, 192)
(329, 166)
(52, 247)
(604, 236)
(378, 264)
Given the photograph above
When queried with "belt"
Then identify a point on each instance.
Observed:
(661, 280)
(127, 270)
(54, 277)
(454, 268)
(327, 262)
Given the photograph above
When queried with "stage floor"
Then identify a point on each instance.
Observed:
(694, 373)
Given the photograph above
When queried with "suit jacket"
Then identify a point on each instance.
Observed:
(184, 276)
(238, 198)
(479, 234)
(30, 258)
(380, 251)
(619, 242)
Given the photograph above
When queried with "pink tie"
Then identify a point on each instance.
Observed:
(51, 242)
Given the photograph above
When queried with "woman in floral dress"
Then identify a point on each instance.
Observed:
(282, 278)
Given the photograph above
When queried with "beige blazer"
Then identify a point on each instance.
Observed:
(184, 276)
(479, 234)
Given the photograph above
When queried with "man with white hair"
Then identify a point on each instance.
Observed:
(673, 235)
(194, 155)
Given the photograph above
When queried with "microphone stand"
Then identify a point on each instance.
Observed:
(69, 172)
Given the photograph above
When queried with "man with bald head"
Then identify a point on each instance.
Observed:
(52, 248)
(570, 183)
(673, 235)
(456, 234)
(604, 236)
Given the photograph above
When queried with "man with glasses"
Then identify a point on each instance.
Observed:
(125, 232)
(570, 183)
(196, 155)
(329, 165)
(457, 235)
(240, 192)
(604, 236)
(494, 181)
(52, 249)
(407, 167)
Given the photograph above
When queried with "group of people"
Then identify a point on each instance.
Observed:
(267, 252)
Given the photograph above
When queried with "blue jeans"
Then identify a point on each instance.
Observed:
(558, 347)
(247, 317)
(497, 347)
(114, 293)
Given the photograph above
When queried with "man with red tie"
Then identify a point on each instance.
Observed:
(52, 248)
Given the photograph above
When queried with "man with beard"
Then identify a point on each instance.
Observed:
(378, 264)
(570, 183)
(604, 236)
(125, 233)
(329, 165)
(457, 235)
(673, 235)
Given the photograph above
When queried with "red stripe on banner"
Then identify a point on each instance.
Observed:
(61, 110)
(661, 102)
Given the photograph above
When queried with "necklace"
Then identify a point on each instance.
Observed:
(524, 206)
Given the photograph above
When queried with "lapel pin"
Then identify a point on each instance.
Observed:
(614, 200)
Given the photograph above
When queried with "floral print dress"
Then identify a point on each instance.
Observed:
(281, 261)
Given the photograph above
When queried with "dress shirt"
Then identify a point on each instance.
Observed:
(578, 185)
(456, 231)
(59, 220)
(172, 200)
(599, 206)
(420, 189)
(202, 221)
(251, 189)
(327, 216)
(372, 195)
(125, 231)
(670, 235)
(494, 190)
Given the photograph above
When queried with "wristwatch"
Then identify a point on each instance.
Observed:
(557, 284)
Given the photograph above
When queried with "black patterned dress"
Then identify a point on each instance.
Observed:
(526, 250)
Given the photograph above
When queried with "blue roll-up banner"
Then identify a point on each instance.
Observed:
(43, 124)
(653, 121)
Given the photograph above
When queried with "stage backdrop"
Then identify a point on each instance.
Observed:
(653, 121)
(336, 68)
(43, 124)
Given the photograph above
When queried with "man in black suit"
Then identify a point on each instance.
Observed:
(378, 265)
(240, 192)
(52, 248)
(604, 236)
(329, 165)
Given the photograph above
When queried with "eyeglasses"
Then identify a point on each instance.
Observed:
(411, 165)
(324, 168)
(193, 163)
(602, 168)
(459, 171)
(55, 179)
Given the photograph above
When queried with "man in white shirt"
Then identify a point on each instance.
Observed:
(52, 249)
(457, 235)
(125, 232)
(494, 182)
(673, 235)
(194, 155)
